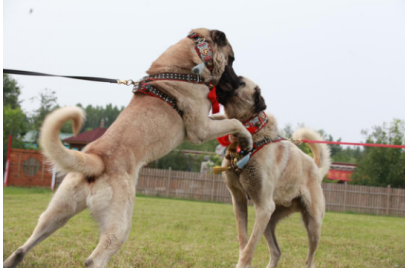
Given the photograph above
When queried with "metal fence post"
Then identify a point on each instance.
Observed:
(168, 182)
(387, 210)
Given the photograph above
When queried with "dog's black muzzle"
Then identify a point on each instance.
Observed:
(227, 85)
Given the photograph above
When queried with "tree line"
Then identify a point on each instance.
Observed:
(375, 166)
(18, 122)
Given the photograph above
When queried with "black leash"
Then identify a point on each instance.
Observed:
(88, 78)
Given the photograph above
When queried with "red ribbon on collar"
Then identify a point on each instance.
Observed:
(212, 96)
(224, 140)
(253, 125)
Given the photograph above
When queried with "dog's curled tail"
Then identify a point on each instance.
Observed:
(66, 160)
(320, 151)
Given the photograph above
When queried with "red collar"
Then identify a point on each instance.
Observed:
(256, 123)
(203, 50)
(253, 125)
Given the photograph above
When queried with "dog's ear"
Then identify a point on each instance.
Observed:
(218, 37)
(260, 104)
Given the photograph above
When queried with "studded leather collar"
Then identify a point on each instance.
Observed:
(144, 88)
(192, 78)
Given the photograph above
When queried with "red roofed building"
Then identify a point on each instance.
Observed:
(341, 171)
(80, 141)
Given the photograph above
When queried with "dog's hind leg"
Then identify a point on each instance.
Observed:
(111, 204)
(270, 234)
(312, 217)
(69, 199)
(274, 249)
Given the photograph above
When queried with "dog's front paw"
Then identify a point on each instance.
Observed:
(246, 144)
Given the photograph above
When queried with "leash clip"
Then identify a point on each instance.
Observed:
(126, 82)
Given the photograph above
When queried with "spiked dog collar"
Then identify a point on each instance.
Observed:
(203, 50)
(144, 88)
(192, 78)
(195, 79)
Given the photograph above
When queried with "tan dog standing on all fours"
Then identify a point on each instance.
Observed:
(169, 107)
(279, 177)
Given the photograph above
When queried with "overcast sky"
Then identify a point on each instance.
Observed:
(334, 65)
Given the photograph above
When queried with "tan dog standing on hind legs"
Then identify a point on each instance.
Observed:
(279, 177)
(103, 177)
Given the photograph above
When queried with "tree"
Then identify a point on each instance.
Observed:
(178, 160)
(11, 92)
(287, 131)
(383, 166)
(208, 146)
(14, 119)
(94, 115)
(48, 103)
(338, 153)
(15, 123)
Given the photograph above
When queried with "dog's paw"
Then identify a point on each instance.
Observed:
(246, 144)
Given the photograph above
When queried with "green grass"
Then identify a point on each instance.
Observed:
(179, 233)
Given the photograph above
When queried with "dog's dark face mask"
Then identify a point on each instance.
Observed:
(260, 104)
(229, 81)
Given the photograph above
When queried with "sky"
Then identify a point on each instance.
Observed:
(336, 65)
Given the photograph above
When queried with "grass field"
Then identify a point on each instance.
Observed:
(179, 233)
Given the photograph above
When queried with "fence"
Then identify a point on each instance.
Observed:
(29, 168)
(339, 197)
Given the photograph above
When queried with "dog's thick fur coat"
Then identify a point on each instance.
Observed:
(103, 177)
(280, 179)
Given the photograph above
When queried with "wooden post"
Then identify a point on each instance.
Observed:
(19, 165)
(155, 180)
(344, 197)
(387, 211)
(168, 182)
(43, 168)
(147, 182)
(212, 186)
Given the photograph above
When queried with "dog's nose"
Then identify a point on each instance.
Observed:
(241, 83)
